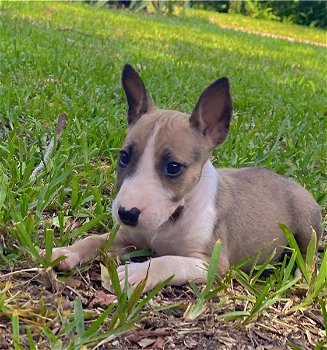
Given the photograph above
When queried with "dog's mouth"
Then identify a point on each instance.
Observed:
(177, 213)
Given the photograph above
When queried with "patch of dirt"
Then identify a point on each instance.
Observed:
(36, 305)
(272, 330)
(42, 299)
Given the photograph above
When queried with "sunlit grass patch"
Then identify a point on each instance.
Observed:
(260, 26)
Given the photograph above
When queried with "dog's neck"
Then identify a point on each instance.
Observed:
(202, 197)
(198, 217)
(205, 190)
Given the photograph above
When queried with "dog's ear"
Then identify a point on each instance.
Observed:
(138, 99)
(213, 111)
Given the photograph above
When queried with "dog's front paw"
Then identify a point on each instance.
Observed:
(136, 272)
(72, 259)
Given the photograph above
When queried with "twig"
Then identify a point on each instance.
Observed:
(61, 124)
(34, 269)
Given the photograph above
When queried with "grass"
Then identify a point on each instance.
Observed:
(58, 57)
(248, 24)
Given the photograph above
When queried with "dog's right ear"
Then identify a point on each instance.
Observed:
(138, 99)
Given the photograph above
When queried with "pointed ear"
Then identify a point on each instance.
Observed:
(137, 98)
(212, 114)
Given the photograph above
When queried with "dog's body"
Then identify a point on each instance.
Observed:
(171, 199)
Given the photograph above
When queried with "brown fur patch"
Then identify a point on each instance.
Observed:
(175, 142)
(250, 202)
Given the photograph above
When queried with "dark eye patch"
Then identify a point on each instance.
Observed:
(170, 166)
(173, 169)
(127, 162)
(178, 185)
(124, 158)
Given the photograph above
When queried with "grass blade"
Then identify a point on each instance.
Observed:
(48, 246)
(311, 252)
(263, 266)
(74, 193)
(95, 326)
(84, 228)
(246, 284)
(112, 270)
(98, 199)
(31, 342)
(150, 296)
(292, 242)
(260, 299)
(319, 284)
(286, 286)
(233, 315)
(136, 254)
(79, 317)
(193, 311)
(15, 330)
(196, 290)
(290, 267)
(213, 266)
(322, 303)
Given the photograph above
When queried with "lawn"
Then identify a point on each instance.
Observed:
(64, 57)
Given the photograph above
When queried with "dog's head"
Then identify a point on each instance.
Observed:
(164, 151)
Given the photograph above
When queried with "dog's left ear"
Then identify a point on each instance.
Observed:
(212, 114)
(138, 100)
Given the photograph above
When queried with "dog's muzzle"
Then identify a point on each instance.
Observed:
(129, 217)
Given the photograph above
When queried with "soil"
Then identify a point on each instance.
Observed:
(39, 298)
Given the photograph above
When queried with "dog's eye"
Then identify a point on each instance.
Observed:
(173, 169)
(124, 159)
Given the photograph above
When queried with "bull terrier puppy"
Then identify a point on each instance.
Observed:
(172, 200)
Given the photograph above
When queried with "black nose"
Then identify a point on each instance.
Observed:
(129, 217)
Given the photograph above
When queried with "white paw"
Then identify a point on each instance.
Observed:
(72, 259)
(136, 272)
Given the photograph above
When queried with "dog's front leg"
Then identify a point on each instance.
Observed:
(183, 269)
(83, 251)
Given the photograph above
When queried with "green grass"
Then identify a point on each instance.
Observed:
(57, 57)
(286, 30)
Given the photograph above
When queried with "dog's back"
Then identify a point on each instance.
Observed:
(251, 201)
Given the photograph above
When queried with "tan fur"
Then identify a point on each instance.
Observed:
(253, 201)
(241, 207)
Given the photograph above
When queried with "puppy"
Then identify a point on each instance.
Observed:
(171, 199)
